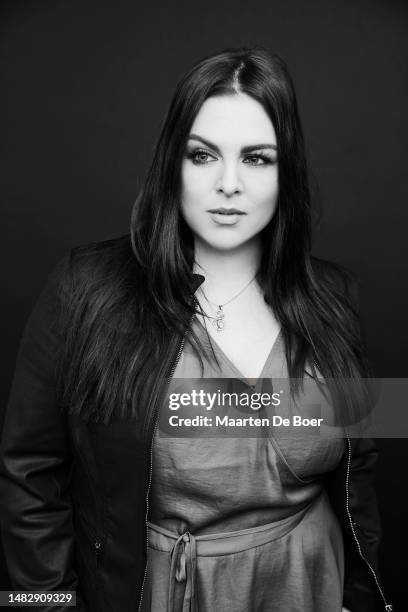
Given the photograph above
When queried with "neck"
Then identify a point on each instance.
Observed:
(226, 271)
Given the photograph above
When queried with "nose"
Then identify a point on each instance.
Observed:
(229, 181)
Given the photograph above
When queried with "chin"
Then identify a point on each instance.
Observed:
(224, 244)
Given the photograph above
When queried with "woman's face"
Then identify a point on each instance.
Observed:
(230, 162)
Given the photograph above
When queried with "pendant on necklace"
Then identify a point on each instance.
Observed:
(218, 321)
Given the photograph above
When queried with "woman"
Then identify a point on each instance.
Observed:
(215, 279)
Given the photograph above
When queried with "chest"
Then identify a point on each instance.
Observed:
(248, 336)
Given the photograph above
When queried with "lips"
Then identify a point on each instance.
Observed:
(226, 217)
(227, 211)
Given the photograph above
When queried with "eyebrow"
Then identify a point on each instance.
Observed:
(246, 149)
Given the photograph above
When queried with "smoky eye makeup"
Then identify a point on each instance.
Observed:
(265, 157)
(200, 156)
(256, 157)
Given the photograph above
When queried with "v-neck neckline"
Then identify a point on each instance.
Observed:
(234, 367)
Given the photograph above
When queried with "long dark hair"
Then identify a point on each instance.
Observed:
(132, 295)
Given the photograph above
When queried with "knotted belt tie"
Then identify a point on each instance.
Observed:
(185, 549)
(183, 568)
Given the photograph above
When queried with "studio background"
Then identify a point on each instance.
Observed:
(84, 88)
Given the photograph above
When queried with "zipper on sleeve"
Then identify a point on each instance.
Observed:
(97, 550)
(388, 607)
(156, 420)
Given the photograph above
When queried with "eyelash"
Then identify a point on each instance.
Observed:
(266, 160)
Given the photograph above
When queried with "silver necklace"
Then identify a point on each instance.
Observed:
(218, 320)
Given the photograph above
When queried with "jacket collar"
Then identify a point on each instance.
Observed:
(198, 279)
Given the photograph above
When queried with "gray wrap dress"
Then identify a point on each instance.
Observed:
(242, 524)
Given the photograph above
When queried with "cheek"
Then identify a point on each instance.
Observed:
(190, 195)
(265, 193)
(188, 184)
(185, 191)
(195, 178)
(194, 188)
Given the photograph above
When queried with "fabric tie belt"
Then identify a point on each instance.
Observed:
(186, 548)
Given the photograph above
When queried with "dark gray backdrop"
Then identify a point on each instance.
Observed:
(84, 87)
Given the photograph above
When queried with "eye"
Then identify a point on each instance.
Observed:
(200, 157)
(258, 159)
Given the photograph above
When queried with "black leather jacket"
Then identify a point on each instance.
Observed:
(74, 494)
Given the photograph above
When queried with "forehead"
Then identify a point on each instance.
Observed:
(233, 118)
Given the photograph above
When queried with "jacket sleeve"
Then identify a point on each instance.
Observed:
(363, 588)
(351, 493)
(35, 460)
